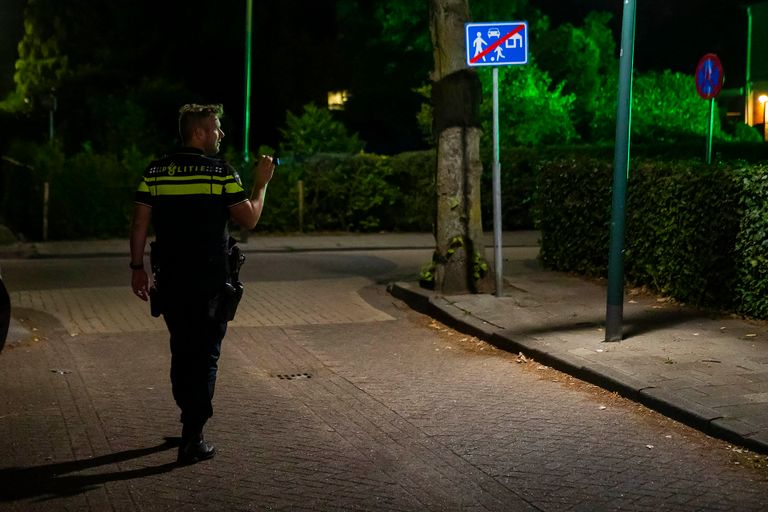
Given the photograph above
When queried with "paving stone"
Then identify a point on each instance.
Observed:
(385, 413)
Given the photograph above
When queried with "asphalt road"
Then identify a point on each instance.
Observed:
(51, 273)
(332, 395)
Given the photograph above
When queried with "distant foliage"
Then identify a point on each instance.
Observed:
(666, 108)
(741, 132)
(316, 131)
(531, 110)
(42, 62)
(582, 60)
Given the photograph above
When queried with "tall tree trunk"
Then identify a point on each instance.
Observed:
(456, 95)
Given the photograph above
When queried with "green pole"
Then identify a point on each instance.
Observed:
(615, 302)
(748, 114)
(247, 101)
(710, 129)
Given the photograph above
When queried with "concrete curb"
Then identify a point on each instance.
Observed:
(261, 244)
(30, 251)
(676, 407)
(32, 254)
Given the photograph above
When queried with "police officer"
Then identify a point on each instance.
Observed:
(189, 197)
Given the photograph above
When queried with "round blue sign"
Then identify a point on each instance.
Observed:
(709, 76)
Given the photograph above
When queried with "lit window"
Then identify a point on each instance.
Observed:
(337, 99)
(763, 99)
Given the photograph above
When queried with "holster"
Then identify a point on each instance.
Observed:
(223, 306)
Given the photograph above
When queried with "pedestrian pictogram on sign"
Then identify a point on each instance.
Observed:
(496, 44)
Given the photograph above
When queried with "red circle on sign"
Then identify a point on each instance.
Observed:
(709, 76)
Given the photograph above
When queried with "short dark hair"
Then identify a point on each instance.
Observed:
(192, 114)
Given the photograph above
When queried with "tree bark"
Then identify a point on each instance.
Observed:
(456, 95)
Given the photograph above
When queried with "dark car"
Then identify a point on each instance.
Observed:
(5, 312)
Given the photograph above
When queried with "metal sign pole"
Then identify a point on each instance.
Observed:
(497, 189)
(710, 130)
(615, 304)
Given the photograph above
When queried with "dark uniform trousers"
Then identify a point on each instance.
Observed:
(195, 340)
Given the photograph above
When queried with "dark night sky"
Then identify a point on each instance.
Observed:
(670, 34)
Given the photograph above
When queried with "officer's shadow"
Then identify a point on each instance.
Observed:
(53, 480)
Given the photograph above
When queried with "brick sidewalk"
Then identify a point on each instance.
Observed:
(365, 412)
(334, 396)
(707, 370)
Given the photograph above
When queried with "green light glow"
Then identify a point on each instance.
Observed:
(247, 101)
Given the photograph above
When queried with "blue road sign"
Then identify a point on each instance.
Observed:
(496, 44)
(709, 76)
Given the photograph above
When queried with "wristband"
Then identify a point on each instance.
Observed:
(138, 266)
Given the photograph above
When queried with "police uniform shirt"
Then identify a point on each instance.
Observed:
(190, 195)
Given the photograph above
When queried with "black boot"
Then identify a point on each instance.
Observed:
(194, 448)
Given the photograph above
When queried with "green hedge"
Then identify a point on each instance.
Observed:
(694, 232)
(520, 168)
(21, 200)
(91, 195)
(362, 192)
(518, 186)
(682, 223)
(574, 214)
(752, 243)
